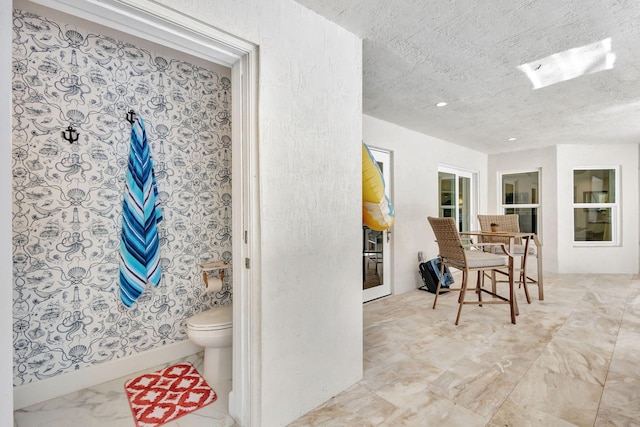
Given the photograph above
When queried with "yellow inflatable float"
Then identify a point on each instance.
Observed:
(377, 211)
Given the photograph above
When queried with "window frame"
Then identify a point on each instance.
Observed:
(615, 208)
(502, 207)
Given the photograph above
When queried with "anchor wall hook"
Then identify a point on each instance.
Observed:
(131, 116)
(70, 134)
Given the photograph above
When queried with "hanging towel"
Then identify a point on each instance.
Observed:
(141, 213)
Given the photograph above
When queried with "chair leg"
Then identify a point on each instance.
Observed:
(523, 269)
(478, 289)
(493, 281)
(463, 291)
(523, 278)
(464, 280)
(435, 300)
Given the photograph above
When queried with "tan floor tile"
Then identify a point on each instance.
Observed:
(515, 358)
(441, 354)
(561, 396)
(429, 409)
(626, 356)
(602, 304)
(633, 304)
(577, 359)
(583, 325)
(512, 415)
(402, 383)
(356, 406)
(401, 390)
(479, 387)
(620, 402)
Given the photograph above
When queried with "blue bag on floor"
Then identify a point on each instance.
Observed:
(430, 274)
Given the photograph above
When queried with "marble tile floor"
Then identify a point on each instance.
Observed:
(571, 360)
(106, 405)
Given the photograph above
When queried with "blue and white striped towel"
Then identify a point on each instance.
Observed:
(141, 213)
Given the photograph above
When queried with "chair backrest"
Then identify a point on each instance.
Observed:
(448, 239)
(508, 223)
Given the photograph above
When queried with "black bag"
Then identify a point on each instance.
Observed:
(430, 274)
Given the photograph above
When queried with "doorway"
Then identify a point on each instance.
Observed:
(376, 257)
(172, 29)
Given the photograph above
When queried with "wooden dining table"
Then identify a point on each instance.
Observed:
(527, 238)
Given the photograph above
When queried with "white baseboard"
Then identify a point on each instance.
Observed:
(49, 388)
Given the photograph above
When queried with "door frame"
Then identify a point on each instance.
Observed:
(170, 28)
(384, 156)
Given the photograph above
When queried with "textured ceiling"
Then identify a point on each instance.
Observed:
(417, 53)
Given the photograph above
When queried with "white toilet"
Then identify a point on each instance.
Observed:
(213, 330)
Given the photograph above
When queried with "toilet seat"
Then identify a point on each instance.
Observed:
(212, 320)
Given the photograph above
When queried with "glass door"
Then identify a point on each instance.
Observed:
(456, 196)
(520, 196)
(376, 274)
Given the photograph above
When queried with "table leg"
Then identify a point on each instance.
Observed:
(523, 269)
(539, 263)
(512, 295)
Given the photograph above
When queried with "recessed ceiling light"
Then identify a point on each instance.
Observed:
(441, 104)
(511, 139)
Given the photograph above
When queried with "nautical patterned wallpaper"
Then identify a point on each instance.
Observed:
(67, 198)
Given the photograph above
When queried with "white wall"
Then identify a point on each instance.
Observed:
(545, 160)
(617, 259)
(310, 94)
(557, 163)
(6, 295)
(415, 190)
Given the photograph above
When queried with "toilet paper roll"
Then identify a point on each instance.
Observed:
(213, 285)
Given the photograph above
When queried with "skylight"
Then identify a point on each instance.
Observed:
(570, 64)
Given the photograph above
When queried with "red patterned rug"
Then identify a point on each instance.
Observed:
(167, 394)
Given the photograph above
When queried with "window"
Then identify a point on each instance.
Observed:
(520, 195)
(595, 206)
(458, 199)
